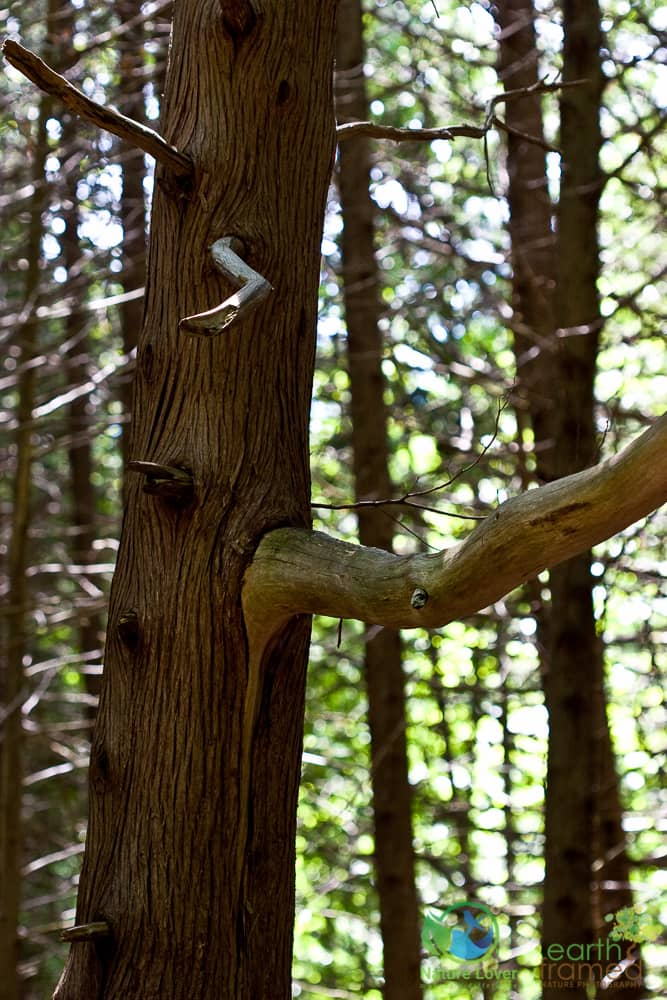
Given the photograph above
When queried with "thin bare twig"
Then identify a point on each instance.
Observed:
(376, 131)
(396, 502)
(36, 70)
(406, 500)
(541, 87)
(526, 136)
(491, 121)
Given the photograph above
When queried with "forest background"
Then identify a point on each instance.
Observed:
(460, 406)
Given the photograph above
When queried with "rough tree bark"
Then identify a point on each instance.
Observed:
(385, 681)
(196, 755)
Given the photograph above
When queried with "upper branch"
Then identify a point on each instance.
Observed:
(36, 70)
(300, 572)
(376, 131)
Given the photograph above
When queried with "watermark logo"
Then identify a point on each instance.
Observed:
(461, 940)
(610, 962)
(466, 932)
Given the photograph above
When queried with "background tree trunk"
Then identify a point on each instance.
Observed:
(78, 368)
(579, 747)
(15, 619)
(573, 668)
(385, 681)
(196, 756)
(133, 202)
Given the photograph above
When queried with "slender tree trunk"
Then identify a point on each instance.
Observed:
(196, 755)
(394, 856)
(133, 203)
(580, 746)
(77, 369)
(530, 226)
(573, 674)
(15, 631)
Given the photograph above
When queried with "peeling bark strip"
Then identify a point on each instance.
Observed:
(297, 572)
(36, 70)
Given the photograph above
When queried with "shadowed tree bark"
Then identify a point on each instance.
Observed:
(573, 667)
(530, 227)
(196, 755)
(385, 681)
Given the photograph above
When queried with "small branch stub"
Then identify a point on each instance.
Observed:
(87, 932)
(254, 289)
(419, 598)
(166, 481)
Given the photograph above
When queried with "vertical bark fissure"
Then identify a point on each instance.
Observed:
(385, 680)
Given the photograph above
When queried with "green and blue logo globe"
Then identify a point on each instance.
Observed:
(466, 932)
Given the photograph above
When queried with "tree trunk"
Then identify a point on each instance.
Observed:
(531, 235)
(573, 674)
(578, 747)
(132, 207)
(394, 857)
(15, 620)
(196, 756)
(78, 363)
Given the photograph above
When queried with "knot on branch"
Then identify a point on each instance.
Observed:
(419, 598)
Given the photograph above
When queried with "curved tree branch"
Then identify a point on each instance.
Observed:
(300, 572)
(37, 71)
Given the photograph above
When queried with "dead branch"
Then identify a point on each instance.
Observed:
(295, 571)
(37, 71)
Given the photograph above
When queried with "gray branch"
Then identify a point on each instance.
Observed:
(295, 571)
(254, 289)
(37, 71)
